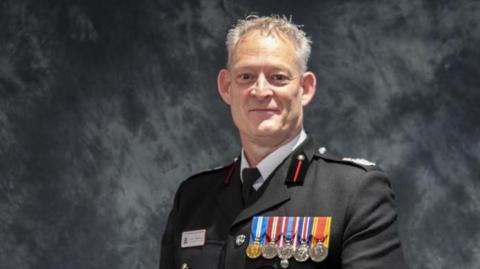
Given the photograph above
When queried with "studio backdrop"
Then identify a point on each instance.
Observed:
(106, 106)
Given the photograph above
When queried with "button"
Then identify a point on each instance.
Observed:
(240, 239)
(184, 266)
(300, 157)
(322, 150)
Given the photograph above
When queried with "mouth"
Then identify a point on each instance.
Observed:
(263, 112)
(271, 110)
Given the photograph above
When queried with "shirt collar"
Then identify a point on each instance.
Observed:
(269, 163)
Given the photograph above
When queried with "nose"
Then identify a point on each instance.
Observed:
(262, 87)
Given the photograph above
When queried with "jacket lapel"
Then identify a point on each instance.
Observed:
(229, 199)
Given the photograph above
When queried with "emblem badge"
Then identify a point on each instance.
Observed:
(240, 239)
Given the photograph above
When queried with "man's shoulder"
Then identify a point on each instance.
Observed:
(210, 175)
(331, 157)
(346, 174)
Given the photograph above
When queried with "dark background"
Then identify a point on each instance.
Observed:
(106, 106)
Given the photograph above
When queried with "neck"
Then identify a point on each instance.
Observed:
(257, 148)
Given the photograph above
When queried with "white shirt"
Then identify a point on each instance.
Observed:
(274, 159)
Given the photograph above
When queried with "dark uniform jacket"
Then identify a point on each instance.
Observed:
(358, 198)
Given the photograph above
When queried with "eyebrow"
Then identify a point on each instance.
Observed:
(276, 67)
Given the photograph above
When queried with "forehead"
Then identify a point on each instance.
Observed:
(257, 49)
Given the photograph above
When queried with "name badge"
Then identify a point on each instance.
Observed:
(194, 238)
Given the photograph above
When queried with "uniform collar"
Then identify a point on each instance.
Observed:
(288, 176)
(274, 159)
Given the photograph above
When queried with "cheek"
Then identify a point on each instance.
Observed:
(238, 102)
(291, 100)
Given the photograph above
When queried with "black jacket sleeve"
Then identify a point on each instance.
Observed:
(167, 258)
(371, 239)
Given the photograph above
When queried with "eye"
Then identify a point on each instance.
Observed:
(245, 78)
(279, 78)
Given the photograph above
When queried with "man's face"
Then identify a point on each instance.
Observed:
(265, 88)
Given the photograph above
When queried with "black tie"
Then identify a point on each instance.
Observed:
(250, 175)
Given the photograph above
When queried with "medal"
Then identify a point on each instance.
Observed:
(320, 238)
(254, 249)
(270, 248)
(301, 252)
(286, 249)
(269, 251)
(284, 263)
(285, 252)
(318, 253)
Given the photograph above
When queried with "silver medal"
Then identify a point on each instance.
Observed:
(301, 253)
(269, 251)
(285, 252)
(318, 253)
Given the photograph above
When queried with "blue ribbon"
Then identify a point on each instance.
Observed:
(300, 230)
(254, 229)
(263, 228)
(288, 235)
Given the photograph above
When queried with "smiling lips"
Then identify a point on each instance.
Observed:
(266, 110)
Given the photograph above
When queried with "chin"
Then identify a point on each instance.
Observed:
(267, 130)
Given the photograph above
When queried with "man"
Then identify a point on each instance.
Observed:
(284, 202)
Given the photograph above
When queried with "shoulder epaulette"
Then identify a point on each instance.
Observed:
(358, 161)
(362, 163)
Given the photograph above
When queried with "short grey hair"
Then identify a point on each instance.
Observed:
(272, 24)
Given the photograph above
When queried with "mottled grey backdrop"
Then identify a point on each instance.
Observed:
(105, 106)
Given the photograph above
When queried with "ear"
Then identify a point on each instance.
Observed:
(223, 85)
(309, 83)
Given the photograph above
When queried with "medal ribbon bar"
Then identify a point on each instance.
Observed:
(295, 232)
(303, 232)
(283, 231)
(289, 232)
(254, 229)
